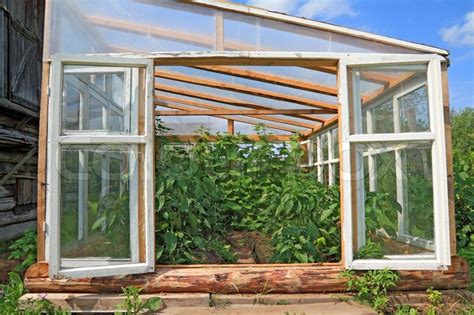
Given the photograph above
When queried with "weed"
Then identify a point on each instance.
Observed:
(133, 303)
(371, 288)
(24, 249)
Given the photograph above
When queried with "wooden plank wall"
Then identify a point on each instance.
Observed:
(21, 34)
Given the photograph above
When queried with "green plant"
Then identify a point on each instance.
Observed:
(295, 244)
(24, 249)
(372, 286)
(133, 304)
(381, 211)
(406, 310)
(10, 293)
(370, 250)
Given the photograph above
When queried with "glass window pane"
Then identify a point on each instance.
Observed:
(390, 99)
(305, 157)
(335, 142)
(399, 209)
(96, 197)
(324, 146)
(98, 98)
(315, 150)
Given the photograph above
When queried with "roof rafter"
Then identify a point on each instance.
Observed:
(217, 108)
(244, 120)
(272, 79)
(245, 112)
(225, 100)
(332, 108)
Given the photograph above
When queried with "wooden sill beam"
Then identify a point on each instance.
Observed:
(215, 108)
(223, 100)
(277, 278)
(244, 112)
(272, 79)
(331, 108)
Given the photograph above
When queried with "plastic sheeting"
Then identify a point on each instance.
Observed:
(111, 26)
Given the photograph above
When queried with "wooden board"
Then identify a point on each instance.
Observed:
(42, 143)
(278, 278)
(449, 159)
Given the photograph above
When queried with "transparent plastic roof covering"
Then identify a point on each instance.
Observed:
(112, 26)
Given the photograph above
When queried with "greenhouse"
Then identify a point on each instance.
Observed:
(206, 146)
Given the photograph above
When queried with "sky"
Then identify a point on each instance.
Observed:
(447, 24)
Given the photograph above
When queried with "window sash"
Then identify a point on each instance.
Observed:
(435, 136)
(56, 140)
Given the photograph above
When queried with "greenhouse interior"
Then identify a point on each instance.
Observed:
(221, 136)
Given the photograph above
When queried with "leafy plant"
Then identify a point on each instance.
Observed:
(24, 249)
(372, 286)
(370, 250)
(405, 309)
(381, 211)
(133, 304)
(295, 244)
(10, 293)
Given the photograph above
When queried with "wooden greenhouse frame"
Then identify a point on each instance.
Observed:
(443, 271)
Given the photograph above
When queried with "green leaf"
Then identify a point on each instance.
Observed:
(159, 252)
(325, 214)
(153, 303)
(98, 222)
(170, 241)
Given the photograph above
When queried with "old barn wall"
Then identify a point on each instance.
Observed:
(21, 34)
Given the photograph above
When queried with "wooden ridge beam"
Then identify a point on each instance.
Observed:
(223, 100)
(248, 112)
(216, 108)
(331, 108)
(272, 79)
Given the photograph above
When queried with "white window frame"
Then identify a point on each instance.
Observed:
(436, 136)
(106, 267)
(318, 161)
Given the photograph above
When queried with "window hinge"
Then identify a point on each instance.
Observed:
(45, 227)
(48, 91)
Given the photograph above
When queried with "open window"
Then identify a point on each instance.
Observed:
(100, 170)
(393, 135)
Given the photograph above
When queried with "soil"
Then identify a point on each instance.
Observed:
(250, 247)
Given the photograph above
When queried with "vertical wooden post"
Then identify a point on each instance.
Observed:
(43, 138)
(42, 147)
(230, 126)
(219, 24)
(449, 158)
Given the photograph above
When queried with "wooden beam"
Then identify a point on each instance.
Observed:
(230, 126)
(245, 112)
(325, 69)
(42, 145)
(212, 138)
(224, 100)
(213, 107)
(332, 108)
(278, 120)
(272, 79)
(275, 278)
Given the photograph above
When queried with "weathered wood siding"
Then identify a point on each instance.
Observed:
(21, 34)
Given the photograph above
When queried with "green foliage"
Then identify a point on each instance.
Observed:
(10, 303)
(371, 288)
(434, 297)
(11, 293)
(295, 244)
(133, 304)
(463, 164)
(241, 184)
(24, 249)
(370, 250)
(381, 211)
(405, 309)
